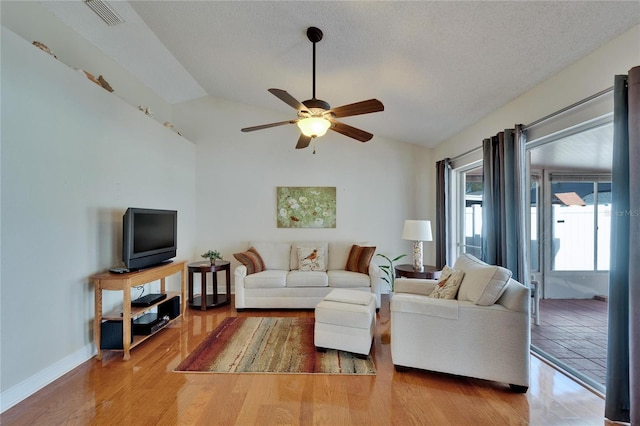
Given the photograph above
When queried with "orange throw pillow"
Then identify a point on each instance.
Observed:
(251, 259)
(359, 259)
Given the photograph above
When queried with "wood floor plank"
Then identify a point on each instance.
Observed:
(145, 390)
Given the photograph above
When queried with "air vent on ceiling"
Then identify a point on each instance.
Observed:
(103, 10)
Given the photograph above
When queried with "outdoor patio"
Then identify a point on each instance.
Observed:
(575, 332)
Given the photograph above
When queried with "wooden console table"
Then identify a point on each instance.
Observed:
(124, 283)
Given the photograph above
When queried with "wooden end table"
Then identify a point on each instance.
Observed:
(408, 271)
(204, 301)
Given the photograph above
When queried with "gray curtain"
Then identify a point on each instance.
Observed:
(443, 168)
(622, 402)
(503, 212)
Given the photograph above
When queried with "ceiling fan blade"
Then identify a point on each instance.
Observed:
(266, 126)
(285, 97)
(364, 107)
(303, 142)
(350, 131)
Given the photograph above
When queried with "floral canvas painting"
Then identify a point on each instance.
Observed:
(306, 206)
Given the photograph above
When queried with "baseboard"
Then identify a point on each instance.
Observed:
(28, 387)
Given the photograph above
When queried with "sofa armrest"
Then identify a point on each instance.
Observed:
(415, 286)
(239, 275)
(240, 272)
(375, 274)
(516, 297)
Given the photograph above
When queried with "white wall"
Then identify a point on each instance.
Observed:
(34, 22)
(237, 174)
(584, 78)
(74, 157)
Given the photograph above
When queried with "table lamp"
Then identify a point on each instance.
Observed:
(417, 231)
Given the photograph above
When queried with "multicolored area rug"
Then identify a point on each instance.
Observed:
(270, 345)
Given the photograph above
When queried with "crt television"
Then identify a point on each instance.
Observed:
(149, 237)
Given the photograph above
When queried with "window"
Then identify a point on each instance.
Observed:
(470, 200)
(580, 215)
(534, 246)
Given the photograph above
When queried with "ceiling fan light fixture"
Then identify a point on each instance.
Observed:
(314, 127)
(316, 116)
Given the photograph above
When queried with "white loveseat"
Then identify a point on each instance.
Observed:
(282, 285)
(483, 333)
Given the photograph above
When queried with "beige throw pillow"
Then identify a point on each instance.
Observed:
(311, 259)
(448, 285)
(483, 284)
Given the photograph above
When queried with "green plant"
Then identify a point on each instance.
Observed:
(212, 255)
(389, 270)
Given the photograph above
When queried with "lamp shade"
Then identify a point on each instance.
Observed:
(314, 126)
(417, 230)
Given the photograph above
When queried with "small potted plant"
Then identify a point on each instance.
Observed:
(212, 255)
(390, 272)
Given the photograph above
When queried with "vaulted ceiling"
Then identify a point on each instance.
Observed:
(438, 66)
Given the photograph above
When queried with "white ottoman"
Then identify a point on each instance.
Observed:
(345, 320)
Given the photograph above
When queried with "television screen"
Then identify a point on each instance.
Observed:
(148, 237)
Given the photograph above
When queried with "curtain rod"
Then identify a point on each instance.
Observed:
(464, 154)
(565, 109)
(545, 118)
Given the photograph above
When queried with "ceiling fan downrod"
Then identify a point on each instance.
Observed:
(314, 35)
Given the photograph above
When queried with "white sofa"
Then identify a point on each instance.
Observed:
(282, 285)
(483, 333)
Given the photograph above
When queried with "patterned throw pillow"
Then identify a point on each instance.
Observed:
(311, 259)
(251, 259)
(359, 259)
(448, 284)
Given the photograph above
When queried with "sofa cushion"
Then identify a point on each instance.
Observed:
(418, 304)
(294, 262)
(311, 259)
(482, 284)
(274, 255)
(271, 278)
(347, 279)
(307, 279)
(348, 315)
(415, 286)
(354, 297)
(359, 259)
(448, 285)
(251, 259)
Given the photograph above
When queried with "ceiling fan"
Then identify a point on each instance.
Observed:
(316, 116)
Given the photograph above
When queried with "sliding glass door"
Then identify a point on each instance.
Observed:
(569, 230)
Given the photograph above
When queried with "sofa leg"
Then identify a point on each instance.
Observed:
(518, 388)
(319, 349)
(401, 368)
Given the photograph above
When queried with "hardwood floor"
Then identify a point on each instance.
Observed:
(146, 391)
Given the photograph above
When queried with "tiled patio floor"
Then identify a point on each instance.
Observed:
(575, 332)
